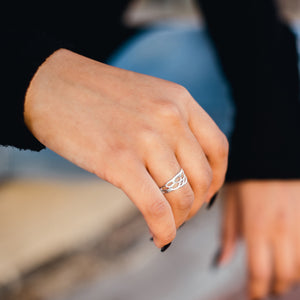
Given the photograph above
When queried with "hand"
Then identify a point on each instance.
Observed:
(267, 215)
(132, 130)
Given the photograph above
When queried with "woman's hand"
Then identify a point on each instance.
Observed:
(132, 130)
(267, 215)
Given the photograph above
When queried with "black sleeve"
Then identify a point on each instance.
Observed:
(29, 34)
(22, 53)
(259, 58)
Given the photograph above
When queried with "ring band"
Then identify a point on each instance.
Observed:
(175, 183)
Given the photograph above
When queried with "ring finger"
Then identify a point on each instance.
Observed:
(163, 166)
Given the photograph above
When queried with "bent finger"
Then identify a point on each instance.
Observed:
(164, 168)
(198, 171)
(213, 142)
(143, 191)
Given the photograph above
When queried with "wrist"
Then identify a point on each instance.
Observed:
(36, 94)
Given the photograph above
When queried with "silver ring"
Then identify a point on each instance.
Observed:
(175, 183)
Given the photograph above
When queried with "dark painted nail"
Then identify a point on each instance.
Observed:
(216, 258)
(151, 239)
(164, 248)
(212, 201)
(181, 225)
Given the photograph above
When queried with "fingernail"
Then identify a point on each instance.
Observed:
(164, 248)
(151, 239)
(181, 225)
(212, 201)
(216, 259)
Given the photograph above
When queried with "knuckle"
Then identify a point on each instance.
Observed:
(182, 96)
(180, 91)
(149, 138)
(186, 201)
(157, 208)
(223, 146)
(169, 111)
(205, 179)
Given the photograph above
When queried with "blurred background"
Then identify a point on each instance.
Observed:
(65, 234)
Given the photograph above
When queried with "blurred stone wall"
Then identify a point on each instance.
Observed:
(290, 8)
(145, 11)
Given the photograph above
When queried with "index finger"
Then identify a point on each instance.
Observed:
(146, 195)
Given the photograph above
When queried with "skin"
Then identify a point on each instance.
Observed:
(132, 130)
(266, 214)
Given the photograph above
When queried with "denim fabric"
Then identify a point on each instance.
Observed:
(181, 53)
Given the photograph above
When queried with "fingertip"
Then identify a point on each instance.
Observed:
(216, 258)
(227, 252)
(165, 247)
(224, 258)
(181, 225)
(163, 239)
(212, 201)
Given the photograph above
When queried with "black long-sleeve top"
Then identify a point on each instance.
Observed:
(257, 52)
(259, 58)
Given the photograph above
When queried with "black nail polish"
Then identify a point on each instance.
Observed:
(212, 201)
(164, 248)
(215, 261)
(181, 225)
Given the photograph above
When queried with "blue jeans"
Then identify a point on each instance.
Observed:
(181, 53)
